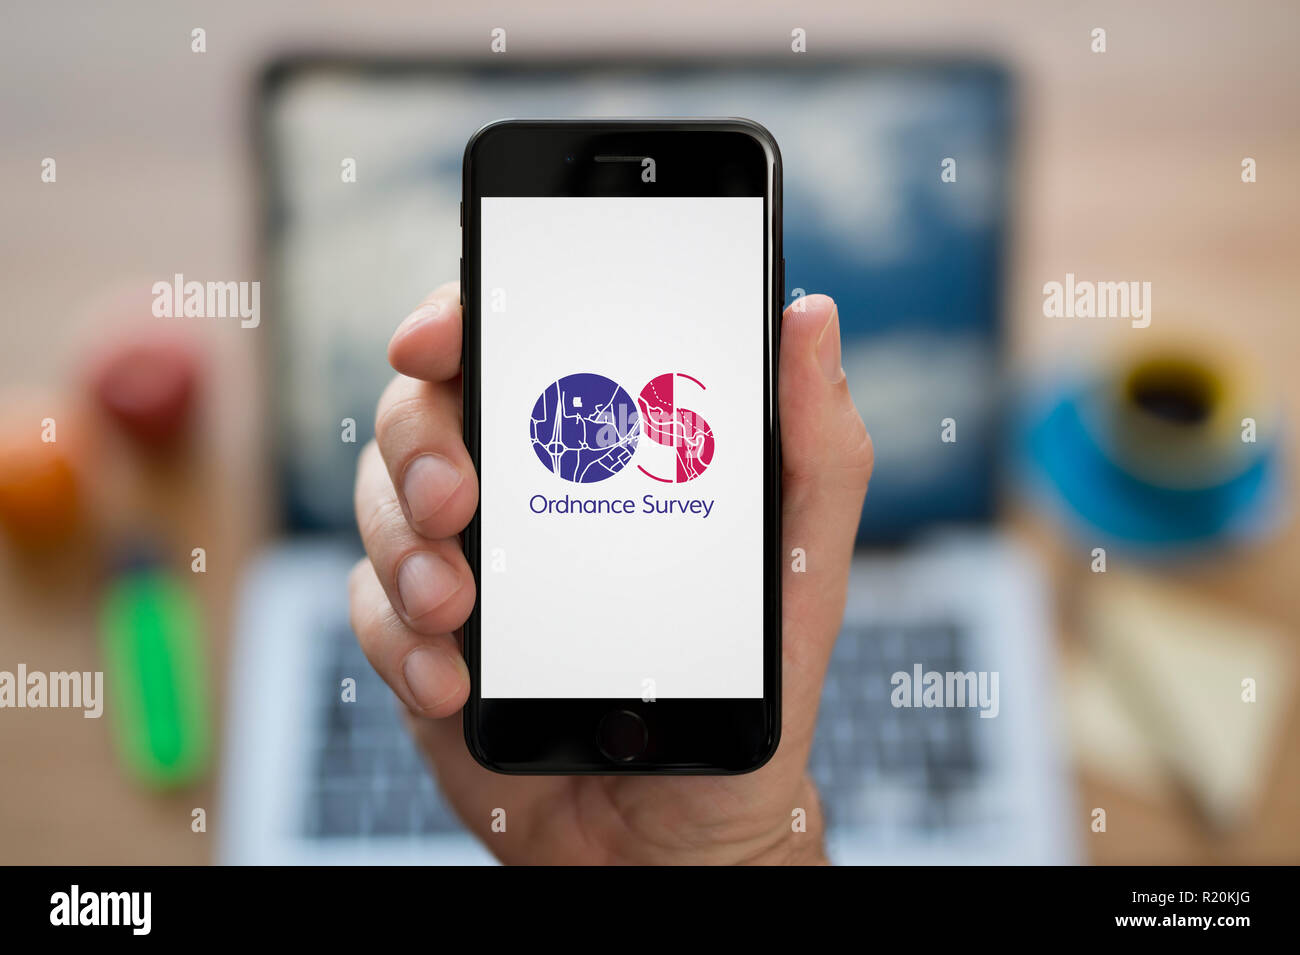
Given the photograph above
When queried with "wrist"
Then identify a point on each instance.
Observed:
(802, 838)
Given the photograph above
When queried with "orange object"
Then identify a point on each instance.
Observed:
(38, 491)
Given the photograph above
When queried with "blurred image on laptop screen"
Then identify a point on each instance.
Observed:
(912, 260)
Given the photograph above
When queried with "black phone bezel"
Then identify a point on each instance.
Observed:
(701, 157)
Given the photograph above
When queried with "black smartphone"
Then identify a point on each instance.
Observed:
(622, 283)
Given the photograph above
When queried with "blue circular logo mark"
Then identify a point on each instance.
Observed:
(584, 428)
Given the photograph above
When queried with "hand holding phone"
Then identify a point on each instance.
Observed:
(417, 488)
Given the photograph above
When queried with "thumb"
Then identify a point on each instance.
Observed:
(826, 463)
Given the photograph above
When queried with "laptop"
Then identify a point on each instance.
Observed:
(874, 216)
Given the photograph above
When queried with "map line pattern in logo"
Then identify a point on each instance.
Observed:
(584, 428)
(671, 425)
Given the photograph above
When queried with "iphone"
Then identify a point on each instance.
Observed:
(622, 282)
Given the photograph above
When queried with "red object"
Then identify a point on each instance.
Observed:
(148, 388)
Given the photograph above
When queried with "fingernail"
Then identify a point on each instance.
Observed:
(828, 348)
(424, 313)
(429, 480)
(430, 675)
(424, 582)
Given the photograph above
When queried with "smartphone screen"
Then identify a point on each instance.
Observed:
(623, 489)
(623, 398)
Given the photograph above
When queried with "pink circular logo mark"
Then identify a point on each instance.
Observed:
(666, 422)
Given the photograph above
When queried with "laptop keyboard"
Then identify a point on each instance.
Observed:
(883, 768)
(877, 767)
(368, 779)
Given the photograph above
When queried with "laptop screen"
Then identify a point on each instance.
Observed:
(895, 204)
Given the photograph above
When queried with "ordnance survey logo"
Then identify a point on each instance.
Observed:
(585, 427)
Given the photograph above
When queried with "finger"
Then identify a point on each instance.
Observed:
(426, 672)
(428, 582)
(427, 343)
(417, 429)
(826, 464)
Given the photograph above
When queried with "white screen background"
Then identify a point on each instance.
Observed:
(593, 605)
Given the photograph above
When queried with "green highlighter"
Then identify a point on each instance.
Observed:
(155, 682)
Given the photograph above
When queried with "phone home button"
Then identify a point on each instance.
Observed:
(622, 735)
